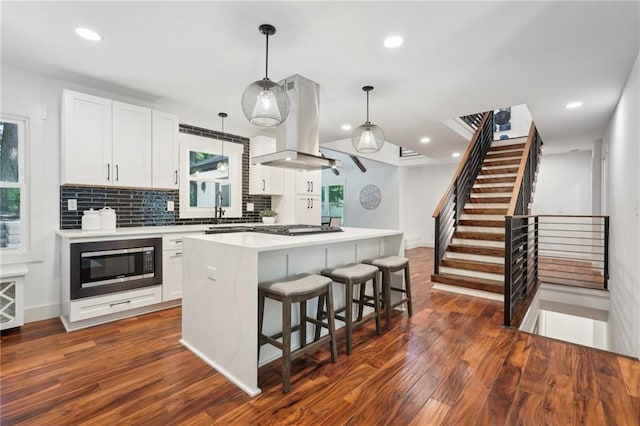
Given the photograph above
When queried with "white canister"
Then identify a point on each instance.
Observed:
(108, 219)
(91, 220)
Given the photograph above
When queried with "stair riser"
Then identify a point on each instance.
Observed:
(468, 273)
(485, 229)
(474, 257)
(481, 243)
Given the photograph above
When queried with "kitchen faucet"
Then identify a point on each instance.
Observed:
(217, 210)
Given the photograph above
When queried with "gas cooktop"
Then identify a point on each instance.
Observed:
(289, 230)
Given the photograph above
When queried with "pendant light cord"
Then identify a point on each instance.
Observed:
(266, 65)
(368, 107)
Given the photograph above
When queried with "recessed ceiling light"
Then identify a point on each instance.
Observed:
(573, 105)
(346, 127)
(455, 154)
(88, 34)
(392, 42)
(425, 140)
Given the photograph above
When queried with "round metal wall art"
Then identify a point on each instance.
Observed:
(370, 197)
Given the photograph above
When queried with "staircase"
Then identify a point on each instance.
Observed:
(474, 258)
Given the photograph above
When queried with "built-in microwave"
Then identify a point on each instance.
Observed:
(104, 267)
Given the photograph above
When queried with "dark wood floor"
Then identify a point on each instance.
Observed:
(451, 363)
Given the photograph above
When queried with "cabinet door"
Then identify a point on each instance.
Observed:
(165, 150)
(308, 182)
(266, 180)
(171, 275)
(131, 145)
(86, 139)
(308, 210)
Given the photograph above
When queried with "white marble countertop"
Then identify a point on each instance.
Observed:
(145, 230)
(268, 242)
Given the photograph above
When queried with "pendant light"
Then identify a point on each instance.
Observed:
(264, 102)
(367, 138)
(223, 165)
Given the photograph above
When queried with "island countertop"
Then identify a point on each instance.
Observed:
(267, 242)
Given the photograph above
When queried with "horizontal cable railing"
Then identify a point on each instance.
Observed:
(448, 212)
(523, 187)
(407, 153)
(473, 120)
(553, 249)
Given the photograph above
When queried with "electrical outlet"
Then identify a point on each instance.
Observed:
(211, 273)
(250, 207)
(170, 206)
(72, 205)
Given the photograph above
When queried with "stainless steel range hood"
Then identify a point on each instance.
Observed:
(297, 141)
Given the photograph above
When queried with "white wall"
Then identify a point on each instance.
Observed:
(384, 176)
(622, 204)
(564, 184)
(38, 98)
(421, 189)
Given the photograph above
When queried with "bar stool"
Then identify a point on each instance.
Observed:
(297, 289)
(387, 266)
(352, 275)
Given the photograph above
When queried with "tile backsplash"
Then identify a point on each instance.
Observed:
(148, 207)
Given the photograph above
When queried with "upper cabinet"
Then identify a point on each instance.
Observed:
(308, 183)
(111, 143)
(165, 150)
(264, 180)
(131, 145)
(86, 139)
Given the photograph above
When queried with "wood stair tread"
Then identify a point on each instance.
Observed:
(483, 210)
(480, 250)
(508, 162)
(503, 154)
(474, 265)
(499, 171)
(486, 236)
(497, 148)
(504, 179)
(482, 222)
(492, 189)
(489, 200)
(492, 286)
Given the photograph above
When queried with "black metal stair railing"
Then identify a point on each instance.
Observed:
(448, 212)
(473, 120)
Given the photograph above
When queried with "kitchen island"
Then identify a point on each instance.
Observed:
(221, 273)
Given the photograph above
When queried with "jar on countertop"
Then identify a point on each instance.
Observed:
(91, 220)
(108, 219)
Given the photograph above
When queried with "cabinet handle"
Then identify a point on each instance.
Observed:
(311, 186)
(311, 202)
(119, 303)
(177, 241)
(263, 184)
(176, 181)
(177, 254)
(108, 171)
(308, 186)
(117, 173)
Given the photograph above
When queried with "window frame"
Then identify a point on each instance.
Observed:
(22, 184)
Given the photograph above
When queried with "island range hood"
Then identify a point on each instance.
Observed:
(297, 141)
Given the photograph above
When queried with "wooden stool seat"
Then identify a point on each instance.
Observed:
(351, 275)
(297, 289)
(388, 265)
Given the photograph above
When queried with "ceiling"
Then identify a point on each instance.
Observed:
(457, 58)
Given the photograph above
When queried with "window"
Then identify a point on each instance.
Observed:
(202, 185)
(13, 189)
(332, 202)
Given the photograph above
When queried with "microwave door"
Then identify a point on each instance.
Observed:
(111, 266)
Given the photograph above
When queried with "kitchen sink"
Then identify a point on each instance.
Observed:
(227, 229)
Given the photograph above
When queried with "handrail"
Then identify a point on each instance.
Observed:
(461, 165)
(521, 170)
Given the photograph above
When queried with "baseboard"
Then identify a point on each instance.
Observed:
(42, 312)
(417, 243)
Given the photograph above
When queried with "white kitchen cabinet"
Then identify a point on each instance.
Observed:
(92, 307)
(86, 139)
(165, 172)
(171, 275)
(308, 210)
(308, 182)
(266, 180)
(131, 145)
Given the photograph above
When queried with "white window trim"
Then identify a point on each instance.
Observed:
(23, 183)
(231, 150)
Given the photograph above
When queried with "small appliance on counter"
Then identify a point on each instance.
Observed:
(91, 220)
(108, 219)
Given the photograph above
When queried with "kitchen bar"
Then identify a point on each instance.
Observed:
(220, 297)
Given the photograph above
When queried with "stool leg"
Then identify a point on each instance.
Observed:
(319, 316)
(286, 345)
(303, 323)
(386, 294)
(360, 304)
(348, 314)
(376, 301)
(331, 324)
(407, 286)
(261, 298)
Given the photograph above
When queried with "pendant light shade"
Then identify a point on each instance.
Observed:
(367, 138)
(223, 165)
(264, 102)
